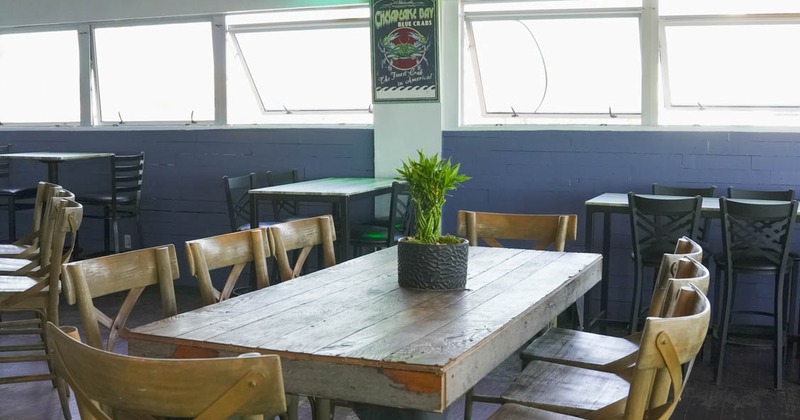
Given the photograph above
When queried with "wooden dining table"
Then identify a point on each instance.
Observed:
(339, 191)
(53, 159)
(349, 332)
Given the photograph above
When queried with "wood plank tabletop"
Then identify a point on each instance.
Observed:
(350, 332)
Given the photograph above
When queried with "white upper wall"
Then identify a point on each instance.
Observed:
(48, 12)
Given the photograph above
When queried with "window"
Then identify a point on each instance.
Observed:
(300, 66)
(553, 62)
(154, 73)
(730, 63)
(39, 78)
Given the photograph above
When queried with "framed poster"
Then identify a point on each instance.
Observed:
(405, 57)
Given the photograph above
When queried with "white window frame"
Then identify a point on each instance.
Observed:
(550, 14)
(341, 23)
(97, 116)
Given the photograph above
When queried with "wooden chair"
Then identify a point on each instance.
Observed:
(302, 234)
(38, 293)
(169, 388)
(235, 250)
(654, 384)
(383, 232)
(546, 230)
(129, 271)
(756, 239)
(613, 354)
(28, 244)
(656, 225)
(38, 254)
(123, 200)
(16, 198)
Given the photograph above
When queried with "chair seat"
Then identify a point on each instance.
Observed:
(569, 390)
(368, 234)
(579, 348)
(8, 250)
(750, 263)
(10, 265)
(105, 199)
(18, 192)
(520, 412)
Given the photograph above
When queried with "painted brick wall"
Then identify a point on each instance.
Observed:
(557, 171)
(183, 196)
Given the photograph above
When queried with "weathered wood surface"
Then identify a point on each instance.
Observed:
(350, 332)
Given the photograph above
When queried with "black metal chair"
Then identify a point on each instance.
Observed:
(11, 195)
(284, 210)
(122, 201)
(384, 232)
(705, 223)
(656, 225)
(756, 238)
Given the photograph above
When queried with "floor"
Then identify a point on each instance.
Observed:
(746, 394)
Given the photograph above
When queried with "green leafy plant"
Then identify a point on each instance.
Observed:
(429, 178)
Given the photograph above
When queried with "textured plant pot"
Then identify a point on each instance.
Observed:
(432, 267)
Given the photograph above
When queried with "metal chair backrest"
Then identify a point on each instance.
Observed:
(127, 176)
(775, 195)
(657, 223)
(281, 209)
(237, 197)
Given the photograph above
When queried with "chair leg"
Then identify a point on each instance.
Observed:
(468, 404)
(139, 231)
(12, 219)
(779, 335)
(115, 226)
(637, 299)
(726, 316)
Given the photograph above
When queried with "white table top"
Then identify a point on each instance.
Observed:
(328, 187)
(55, 156)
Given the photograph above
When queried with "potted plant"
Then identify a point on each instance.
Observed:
(429, 260)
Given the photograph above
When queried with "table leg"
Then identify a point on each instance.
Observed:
(606, 264)
(52, 172)
(344, 215)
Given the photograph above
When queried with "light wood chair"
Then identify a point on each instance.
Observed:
(654, 384)
(546, 230)
(38, 293)
(28, 244)
(613, 354)
(245, 386)
(235, 250)
(39, 253)
(129, 271)
(302, 234)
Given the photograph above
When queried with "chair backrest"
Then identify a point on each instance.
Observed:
(5, 163)
(127, 174)
(130, 271)
(710, 191)
(48, 229)
(237, 196)
(197, 388)
(776, 195)
(401, 212)
(546, 230)
(678, 265)
(67, 216)
(683, 272)
(235, 250)
(757, 233)
(44, 192)
(281, 209)
(667, 345)
(658, 222)
(302, 234)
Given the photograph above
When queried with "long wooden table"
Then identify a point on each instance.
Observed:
(339, 191)
(349, 332)
(53, 159)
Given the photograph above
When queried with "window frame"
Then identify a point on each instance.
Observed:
(335, 23)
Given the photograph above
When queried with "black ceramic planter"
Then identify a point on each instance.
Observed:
(432, 267)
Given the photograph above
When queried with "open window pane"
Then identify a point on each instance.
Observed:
(537, 66)
(325, 69)
(748, 65)
(39, 77)
(155, 72)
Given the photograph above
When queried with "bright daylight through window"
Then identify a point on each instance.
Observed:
(39, 80)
